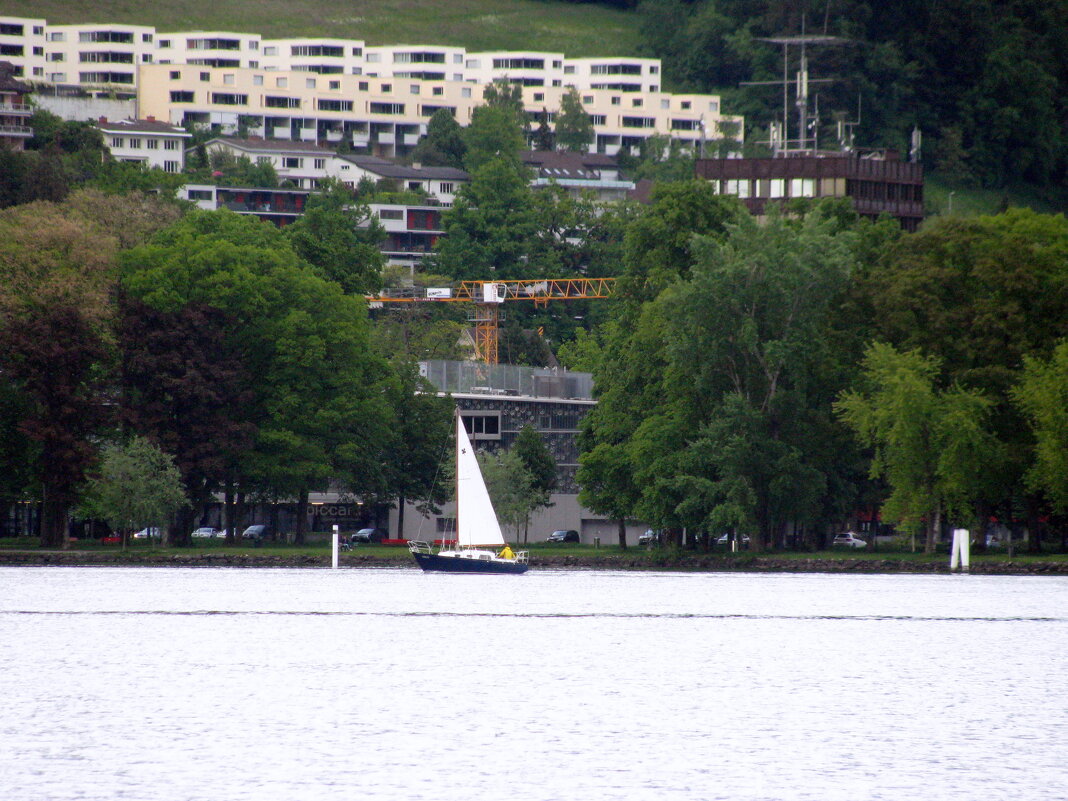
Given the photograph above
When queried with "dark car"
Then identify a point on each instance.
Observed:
(258, 533)
(562, 535)
(369, 535)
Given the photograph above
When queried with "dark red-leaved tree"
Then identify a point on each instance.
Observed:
(185, 388)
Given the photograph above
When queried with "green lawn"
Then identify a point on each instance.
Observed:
(970, 201)
(573, 29)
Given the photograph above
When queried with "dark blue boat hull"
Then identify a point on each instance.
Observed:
(431, 562)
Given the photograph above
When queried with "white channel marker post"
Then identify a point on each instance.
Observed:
(335, 548)
(961, 551)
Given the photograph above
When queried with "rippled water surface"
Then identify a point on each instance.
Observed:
(183, 684)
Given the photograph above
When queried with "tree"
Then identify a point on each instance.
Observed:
(418, 440)
(543, 137)
(574, 127)
(1043, 396)
(540, 465)
(340, 238)
(929, 445)
(495, 133)
(510, 488)
(137, 484)
(318, 404)
(55, 317)
(443, 145)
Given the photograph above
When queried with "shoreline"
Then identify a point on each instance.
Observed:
(637, 561)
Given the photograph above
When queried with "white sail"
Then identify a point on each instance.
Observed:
(476, 521)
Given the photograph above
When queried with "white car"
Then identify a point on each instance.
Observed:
(145, 533)
(849, 540)
(724, 539)
(208, 531)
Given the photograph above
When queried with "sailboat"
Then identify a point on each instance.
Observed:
(480, 545)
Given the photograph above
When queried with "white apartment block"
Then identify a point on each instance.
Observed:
(22, 43)
(326, 90)
(387, 116)
(148, 142)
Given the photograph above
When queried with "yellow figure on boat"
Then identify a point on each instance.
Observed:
(506, 553)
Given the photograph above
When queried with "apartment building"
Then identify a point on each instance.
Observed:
(14, 110)
(387, 116)
(149, 142)
(22, 44)
(97, 57)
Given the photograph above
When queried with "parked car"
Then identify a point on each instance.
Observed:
(726, 538)
(651, 536)
(562, 535)
(370, 535)
(208, 531)
(848, 540)
(145, 533)
(258, 533)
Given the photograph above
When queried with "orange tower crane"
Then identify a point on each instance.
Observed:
(487, 297)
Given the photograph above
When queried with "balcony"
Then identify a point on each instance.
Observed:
(21, 131)
(19, 109)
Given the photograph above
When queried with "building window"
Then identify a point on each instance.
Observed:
(172, 166)
(387, 88)
(390, 214)
(292, 162)
(334, 105)
(281, 83)
(465, 92)
(414, 88)
(636, 102)
(777, 187)
(387, 108)
(152, 144)
(569, 69)
(228, 99)
(802, 187)
(539, 97)
(665, 103)
(205, 76)
(685, 105)
(135, 143)
(357, 51)
(57, 57)
(146, 37)
(472, 64)
(438, 91)
(176, 75)
(615, 101)
(446, 188)
(482, 425)
(638, 122)
(181, 97)
(228, 79)
(170, 144)
(270, 51)
(275, 101)
(163, 43)
(335, 85)
(373, 58)
(320, 164)
(118, 141)
(713, 105)
(363, 86)
(38, 51)
(309, 83)
(199, 194)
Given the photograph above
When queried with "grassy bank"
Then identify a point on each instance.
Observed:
(583, 29)
(217, 554)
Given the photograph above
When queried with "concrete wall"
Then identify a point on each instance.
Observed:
(86, 108)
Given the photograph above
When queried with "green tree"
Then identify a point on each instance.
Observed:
(318, 407)
(929, 445)
(574, 127)
(1043, 396)
(340, 238)
(495, 134)
(511, 488)
(136, 484)
(443, 145)
(540, 465)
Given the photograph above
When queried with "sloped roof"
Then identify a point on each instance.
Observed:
(141, 127)
(260, 145)
(389, 169)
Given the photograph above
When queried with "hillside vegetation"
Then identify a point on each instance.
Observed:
(577, 30)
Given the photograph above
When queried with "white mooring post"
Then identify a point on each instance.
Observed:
(960, 554)
(335, 548)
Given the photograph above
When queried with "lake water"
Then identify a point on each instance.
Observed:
(218, 684)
